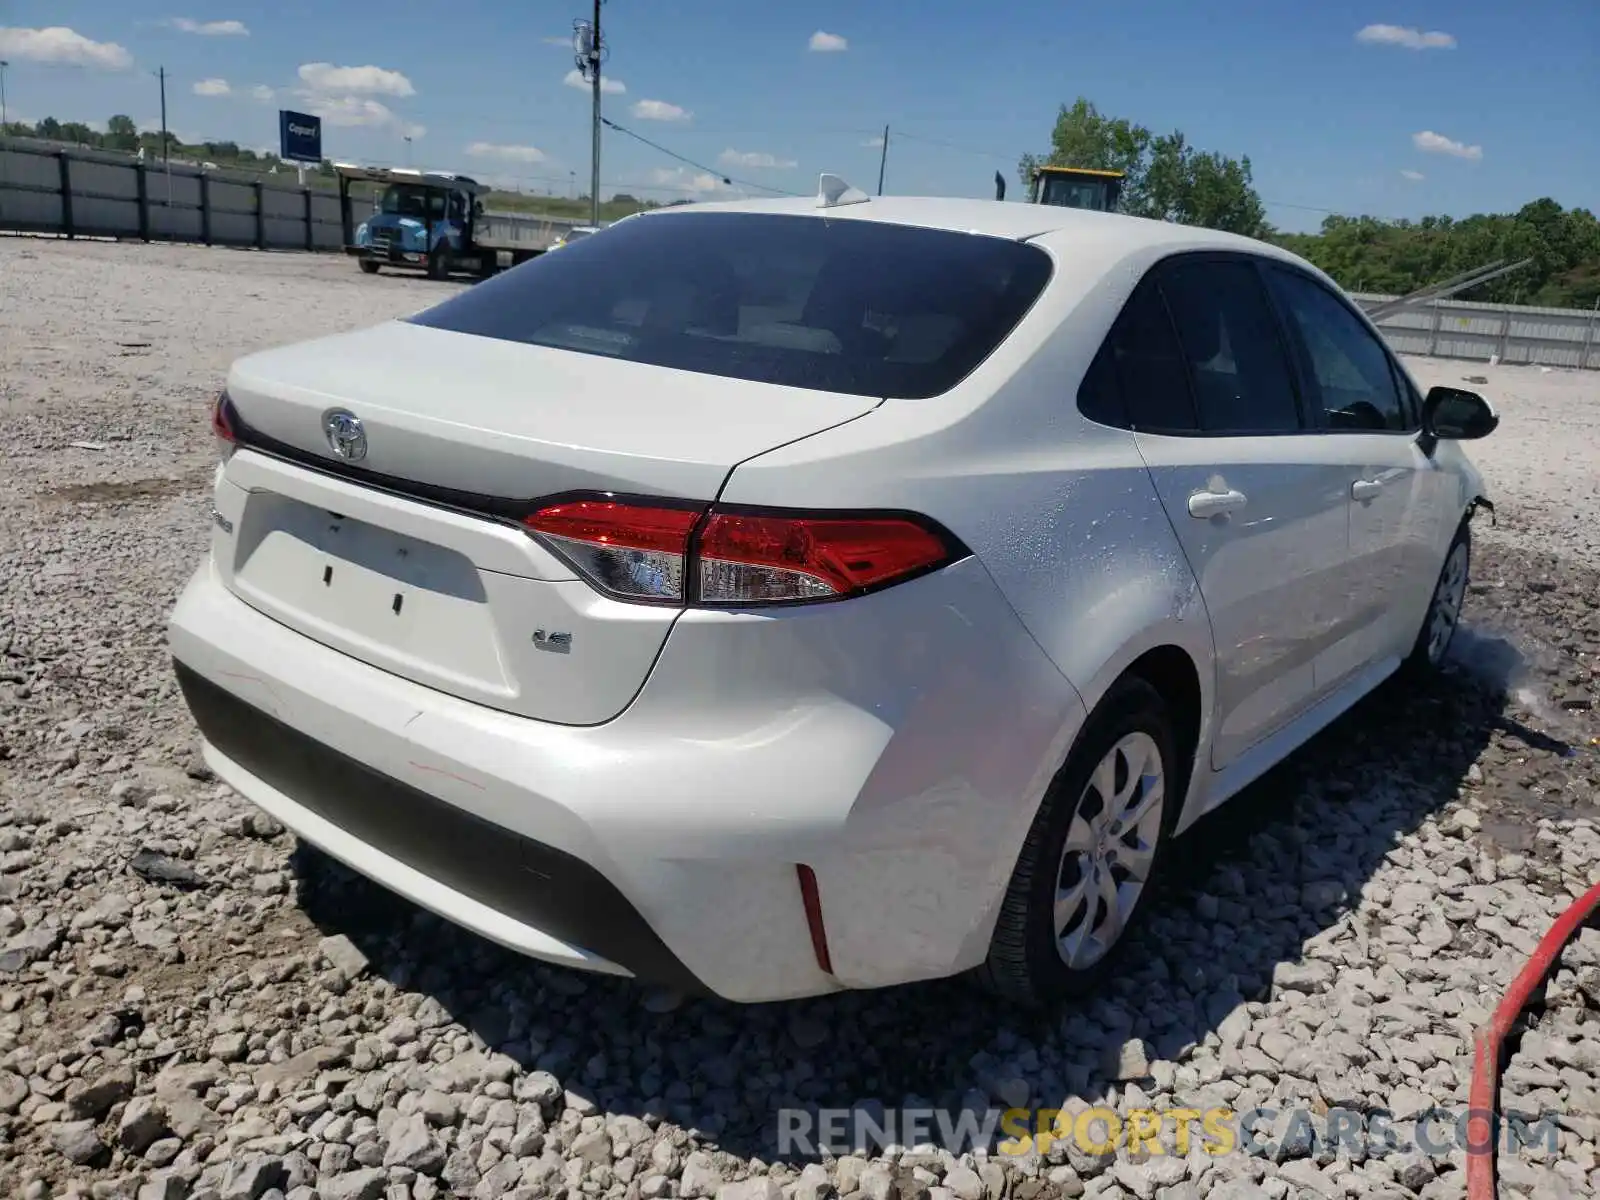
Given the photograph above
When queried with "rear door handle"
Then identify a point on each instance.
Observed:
(1209, 504)
(1366, 489)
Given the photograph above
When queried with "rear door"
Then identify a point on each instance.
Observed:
(1260, 510)
(1396, 494)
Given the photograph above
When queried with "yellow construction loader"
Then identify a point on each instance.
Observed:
(1070, 187)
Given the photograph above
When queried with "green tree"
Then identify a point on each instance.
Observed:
(1395, 257)
(1083, 137)
(1165, 177)
(121, 134)
(79, 133)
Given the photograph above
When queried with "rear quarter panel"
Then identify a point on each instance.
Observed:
(1060, 510)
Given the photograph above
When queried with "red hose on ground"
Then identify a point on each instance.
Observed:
(1481, 1123)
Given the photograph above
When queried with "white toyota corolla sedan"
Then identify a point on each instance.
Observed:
(772, 598)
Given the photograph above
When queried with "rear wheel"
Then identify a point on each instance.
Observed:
(1093, 853)
(1444, 609)
(369, 266)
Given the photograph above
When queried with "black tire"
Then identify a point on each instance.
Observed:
(369, 266)
(1428, 655)
(1024, 964)
(439, 263)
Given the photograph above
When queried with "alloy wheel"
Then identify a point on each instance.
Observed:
(1447, 600)
(1109, 851)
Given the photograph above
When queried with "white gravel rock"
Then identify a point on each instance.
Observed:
(192, 1005)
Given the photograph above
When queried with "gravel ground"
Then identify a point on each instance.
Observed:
(191, 1006)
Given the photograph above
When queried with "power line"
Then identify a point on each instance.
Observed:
(1332, 212)
(629, 185)
(916, 137)
(698, 166)
(522, 182)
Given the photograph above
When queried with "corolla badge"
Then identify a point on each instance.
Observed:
(347, 437)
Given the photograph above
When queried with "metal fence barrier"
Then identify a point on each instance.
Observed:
(89, 193)
(1507, 333)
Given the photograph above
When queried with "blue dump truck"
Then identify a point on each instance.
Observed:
(435, 221)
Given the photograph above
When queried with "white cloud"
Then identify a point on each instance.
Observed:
(1405, 35)
(212, 87)
(522, 154)
(752, 158)
(210, 28)
(365, 81)
(1413, 176)
(359, 112)
(1436, 143)
(874, 143)
(659, 110)
(680, 179)
(351, 111)
(828, 43)
(558, 41)
(263, 93)
(60, 46)
(608, 86)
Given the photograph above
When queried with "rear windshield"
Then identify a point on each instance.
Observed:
(852, 306)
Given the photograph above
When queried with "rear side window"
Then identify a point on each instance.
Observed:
(1139, 379)
(1230, 339)
(852, 306)
(1348, 365)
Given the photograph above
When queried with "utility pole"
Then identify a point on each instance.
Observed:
(3, 65)
(162, 75)
(166, 160)
(883, 159)
(594, 80)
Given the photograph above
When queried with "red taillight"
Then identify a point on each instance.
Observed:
(649, 552)
(768, 559)
(222, 424)
(634, 551)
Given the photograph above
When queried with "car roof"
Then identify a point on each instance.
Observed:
(1113, 235)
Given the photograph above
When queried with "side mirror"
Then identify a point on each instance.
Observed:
(1454, 414)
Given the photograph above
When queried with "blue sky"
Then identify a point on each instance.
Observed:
(1400, 109)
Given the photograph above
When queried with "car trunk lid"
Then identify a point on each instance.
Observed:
(485, 416)
(411, 556)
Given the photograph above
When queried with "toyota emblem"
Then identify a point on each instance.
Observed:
(346, 436)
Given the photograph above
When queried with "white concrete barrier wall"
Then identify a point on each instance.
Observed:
(1550, 337)
(46, 188)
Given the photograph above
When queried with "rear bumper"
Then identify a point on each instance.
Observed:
(366, 815)
(897, 745)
